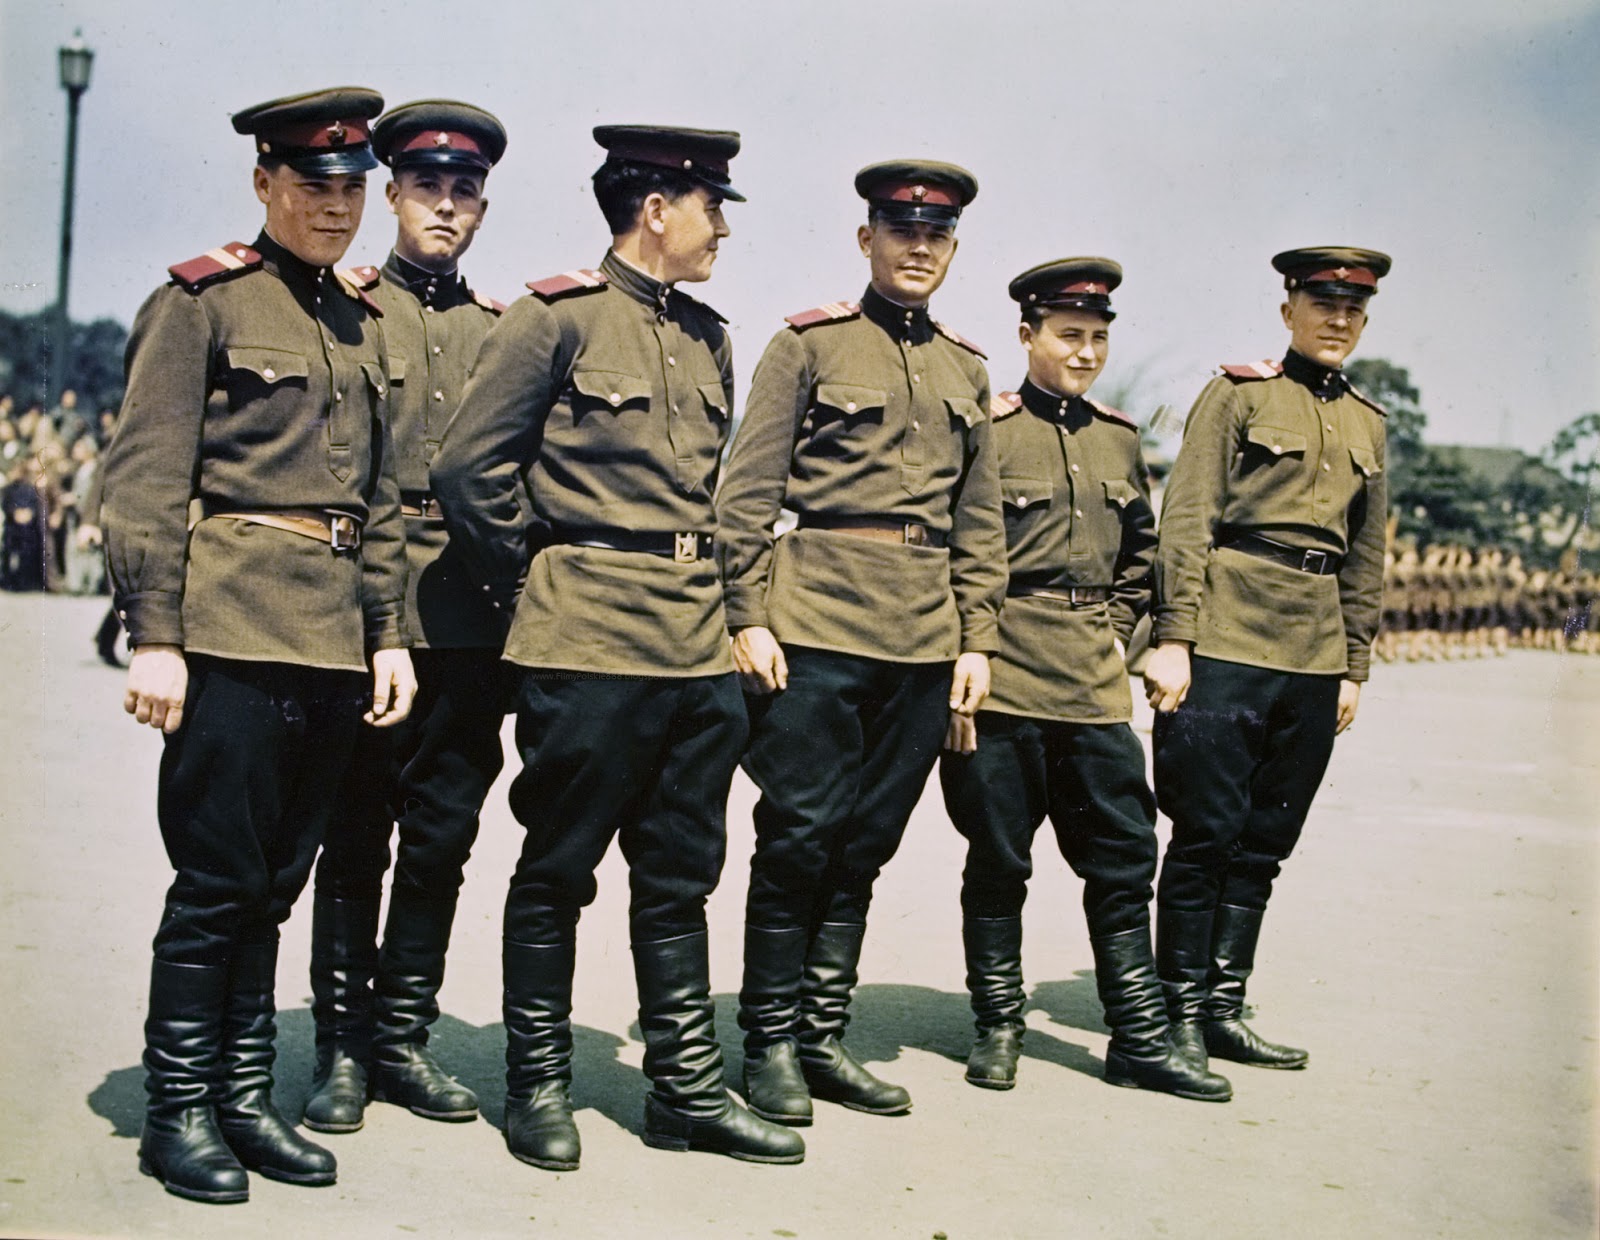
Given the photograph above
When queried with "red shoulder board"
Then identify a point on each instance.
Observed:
(489, 303)
(349, 281)
(1366, 400)
(362, 277)
(1003, 405)
(213, 265)
(1115, 415)
(1254, 370)
(832, 312)
(580, 281)
(950, 334)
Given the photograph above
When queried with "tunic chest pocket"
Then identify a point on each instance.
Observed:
(716, 401)
(1366, 462)
(841, 400)
(1024, 495)
(1120, 492)
(1275, 441)
(607, 391)
(256, 373)
(967, 412)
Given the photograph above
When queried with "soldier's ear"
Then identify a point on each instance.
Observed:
(653, 213)
(864, 240)
(391, 194)
(1284, 310)
(263, 183)
(1025, 335)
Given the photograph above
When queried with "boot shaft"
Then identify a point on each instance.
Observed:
(1130, 992)
(993, 947)
(1234, 935)
(537, 1005)
(416, 937)
(831, 972)
(769, 1000)
(344, 960)
(183, 1035)
(250, 1022)
(682, 1057)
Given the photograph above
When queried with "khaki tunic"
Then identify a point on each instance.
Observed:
(616, 400)
(433, 326)
(1077, 512)
(265, 389)
(881, 416)
(1271, 456)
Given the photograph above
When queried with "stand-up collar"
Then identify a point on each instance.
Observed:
(1050, 406)
(899, 321)
(285, 264)
(1324, 382)
(644, 289)
(426, 286)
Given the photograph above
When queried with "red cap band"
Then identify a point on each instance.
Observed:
(917, 192)
(441, 140)
(1085, 286)
(319, 135)
(1341, 275)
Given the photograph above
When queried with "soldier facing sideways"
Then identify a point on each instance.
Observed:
(858, 631)
(1269, 582)
(1053, 737)
(254, 540)
(431, 774)
(614, 389)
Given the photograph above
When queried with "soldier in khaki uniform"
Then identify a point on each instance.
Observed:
(1053, 736)
(855, 632)
(253, 535)
(1268, 594)
(432, 773)
(614, 390)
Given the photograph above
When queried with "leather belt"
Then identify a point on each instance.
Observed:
(420, 504)
(1319, 563)
(1075, 595)
(908, 533)
(339, 530)
(684, 547)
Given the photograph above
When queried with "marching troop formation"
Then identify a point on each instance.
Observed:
(354, 516)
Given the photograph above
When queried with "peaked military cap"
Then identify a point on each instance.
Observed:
(702, 154)
(1333, 268)
(916, 189)
(1069, 284)
(323, 131)
(440, 132)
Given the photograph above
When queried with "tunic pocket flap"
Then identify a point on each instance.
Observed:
(1024, 492)
(1120, 492)
(716, 398)
(1365, 461)
(1275, 439)
(271, 364)
(849, 399)
(397, 367)
(611, 386)
(375, 377)
(969, 411)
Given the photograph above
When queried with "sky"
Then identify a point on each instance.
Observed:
(1190, 142)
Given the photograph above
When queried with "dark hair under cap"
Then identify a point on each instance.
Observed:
(701, 154)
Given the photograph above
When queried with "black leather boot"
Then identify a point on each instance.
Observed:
(410, 972)
(1141, 1054)
(181, 1145)
(260, 1138)
(538, 1017)
(344, 958)
(689, 1107)
(1183, 960)
(994, 980)
(831, 1072)
(1233, 958)
(769, 1010)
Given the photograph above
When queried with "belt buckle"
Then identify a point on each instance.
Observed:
(1313, 561)
(686, 547)
(1073, 596)
(343, 532)
(916, 535)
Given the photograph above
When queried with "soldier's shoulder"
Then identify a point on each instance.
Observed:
(1366, 400)
(1115, 416)
(358, 286)
(697, 306)
(828, 312)
(226, 262)
(484, 302)
(580, 280)
(1250, 372)
(1003, 405)
(950, 333)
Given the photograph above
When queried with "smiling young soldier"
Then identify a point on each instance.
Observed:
(613, 390)
(373, 1011)
(254, 540)
(1053, 737)
(1268, 594)
(856, 633)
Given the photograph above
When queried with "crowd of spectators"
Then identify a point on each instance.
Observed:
(49, 468)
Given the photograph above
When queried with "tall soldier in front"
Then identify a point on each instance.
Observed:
(613, 389)
(1268, 594)
(858, 632)
(1053, 737)
(373, 1010)
(253, 534)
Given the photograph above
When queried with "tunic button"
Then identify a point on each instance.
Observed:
(1022, 501)
(916, 378)
(338, 396)
(672, 361)
(429, 309)
(849, 406)
(269, 373)
(438, 396)
(1277, 449)
(1074, 468)
(616, 398)
(1328, 427)
(1325, 467)
(1077, 512)
(676, 409)
(916, 425)
(331, 345)
(436, 349)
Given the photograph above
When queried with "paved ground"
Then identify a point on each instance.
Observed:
(1434, 942)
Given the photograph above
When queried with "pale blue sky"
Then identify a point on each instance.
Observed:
(1188, 141)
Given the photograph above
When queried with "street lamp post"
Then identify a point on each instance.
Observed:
(76, 61)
